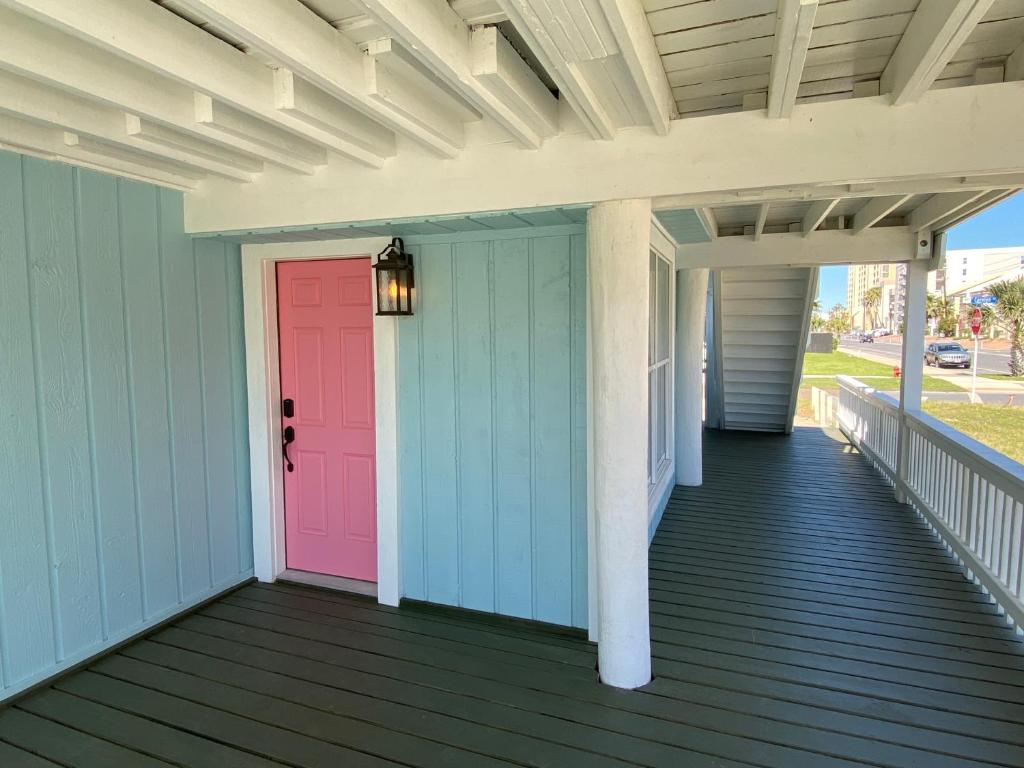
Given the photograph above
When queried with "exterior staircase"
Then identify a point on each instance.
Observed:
(760, 326)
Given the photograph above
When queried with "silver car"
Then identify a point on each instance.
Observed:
(947, 353)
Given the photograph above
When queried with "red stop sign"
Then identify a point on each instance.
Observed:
(976, 322)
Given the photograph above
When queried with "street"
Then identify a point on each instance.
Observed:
(989, 362)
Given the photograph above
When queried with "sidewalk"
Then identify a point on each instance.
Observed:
(955, 376)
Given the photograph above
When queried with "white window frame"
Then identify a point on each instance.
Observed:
(660, 476)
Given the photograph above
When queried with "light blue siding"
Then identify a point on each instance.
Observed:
(125, 484)
(492, 426)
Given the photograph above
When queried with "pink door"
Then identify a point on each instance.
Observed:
(326, 330)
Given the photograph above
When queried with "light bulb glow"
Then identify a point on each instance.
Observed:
(393, 289)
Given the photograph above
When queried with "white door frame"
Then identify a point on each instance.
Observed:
(263, 383)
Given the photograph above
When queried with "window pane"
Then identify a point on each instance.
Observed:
(652, 316)
(651, 421)
(664, 285)
(661, 428)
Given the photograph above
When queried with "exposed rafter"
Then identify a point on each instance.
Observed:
(54, 144)
(58, 109)
(793, 25)
(709, 221)
(151, 36)
(441, 40)
(501, 69)
(876, 209)
(939, 207)
(935, 33)
(986, 200)
(762, 219)
(629, 25)
(318, 55)
(42, 53)
(816, 214)
(1014, 68)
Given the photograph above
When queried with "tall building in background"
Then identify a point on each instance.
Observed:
(860, 279)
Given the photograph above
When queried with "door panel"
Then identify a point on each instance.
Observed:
(325, 321)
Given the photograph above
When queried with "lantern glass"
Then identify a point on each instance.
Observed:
(394, 277)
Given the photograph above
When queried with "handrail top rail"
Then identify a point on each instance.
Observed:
(984, 460)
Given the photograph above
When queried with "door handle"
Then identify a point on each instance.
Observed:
(289, 437)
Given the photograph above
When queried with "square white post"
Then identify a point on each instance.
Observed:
(691, 304)
(618, 250)
(912, 364)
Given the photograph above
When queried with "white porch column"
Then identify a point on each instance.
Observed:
(618, 250)
(691, 303)
(911, 380)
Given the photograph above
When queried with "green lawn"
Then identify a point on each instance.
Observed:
(1003, 377)
(997, 426)
(843, 364)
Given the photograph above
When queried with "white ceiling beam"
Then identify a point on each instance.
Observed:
(762, 219)
(812, 192)
(939, 207)
(792, 249)
(288, 32)
(816, 213)
(709, 221)
(986, 200)
(562, 58)
(49, 143)
(228, 121)
(500, 68)
(58, 109)
(936, 31)
(876, 209)
(632, 32)
(115, 155)
(1014, 68)
(897, 150)
(793, 24)
(441, 39)
(159, 139)
(153, 37)
(42, 53)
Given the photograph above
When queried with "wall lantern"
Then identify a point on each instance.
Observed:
(394, 279)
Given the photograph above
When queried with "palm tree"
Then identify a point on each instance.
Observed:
(872, 298)
(940, 309)
(1009, 312)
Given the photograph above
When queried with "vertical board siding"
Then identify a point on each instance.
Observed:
(492, 428)
(124, 477)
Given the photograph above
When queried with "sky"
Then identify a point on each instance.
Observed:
(1001, 226)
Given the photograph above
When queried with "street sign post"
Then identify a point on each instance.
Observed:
(976, 330)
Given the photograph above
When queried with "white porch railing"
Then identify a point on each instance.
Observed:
(971, 495)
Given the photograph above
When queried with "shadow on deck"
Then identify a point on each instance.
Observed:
(799, 618)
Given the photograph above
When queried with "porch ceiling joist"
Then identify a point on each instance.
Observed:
(822, 192)
(876, 209)
(939, 207)
(52, 143)
(603, 58)
(898, 152)
(936, 31)
(319, 56)
(884, 244)
(762, 219)
(37, 102)
(148, 35)
(442, 41)
(816, 213)
(708, 220)
(986, 200)
(42, 53)
(1014, 68)
(793, 26)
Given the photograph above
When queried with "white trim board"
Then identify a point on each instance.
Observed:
(263, 384)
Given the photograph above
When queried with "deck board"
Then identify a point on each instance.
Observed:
(799, 617)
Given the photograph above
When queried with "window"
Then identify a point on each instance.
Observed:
(659, 370)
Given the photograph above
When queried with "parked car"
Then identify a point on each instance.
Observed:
(867, 338)
(947, 353)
